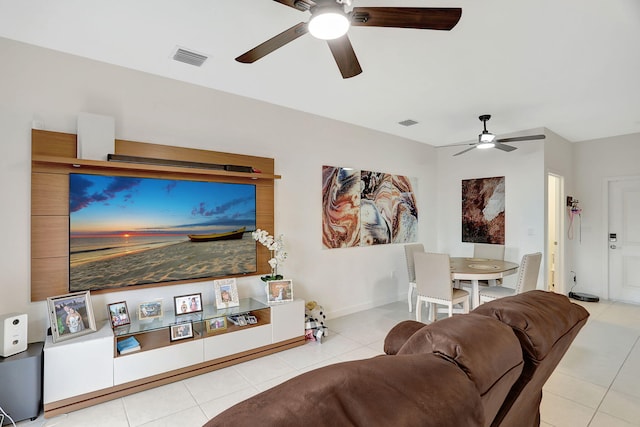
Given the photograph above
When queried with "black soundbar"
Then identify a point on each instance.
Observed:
(179, 163)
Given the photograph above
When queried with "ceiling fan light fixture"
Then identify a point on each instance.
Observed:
(328, 23)
(486, 137)
(484, 145)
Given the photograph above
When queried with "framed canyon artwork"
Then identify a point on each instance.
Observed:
(483, 210)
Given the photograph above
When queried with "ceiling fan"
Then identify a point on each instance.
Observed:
(330, 21)
(488, 140)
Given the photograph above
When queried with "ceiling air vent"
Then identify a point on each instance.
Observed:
(189, 57)
(408, 122)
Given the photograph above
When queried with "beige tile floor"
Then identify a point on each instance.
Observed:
(597, 383)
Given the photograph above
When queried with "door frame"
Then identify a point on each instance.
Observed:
(559, 213)
(605, 226)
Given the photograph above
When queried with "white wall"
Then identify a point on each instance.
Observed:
(523, 170)
(558, 159)
(53, 88)
(595, 161)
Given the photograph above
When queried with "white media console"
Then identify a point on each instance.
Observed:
(88, 370)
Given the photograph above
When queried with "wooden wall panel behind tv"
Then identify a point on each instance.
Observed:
(53, 155)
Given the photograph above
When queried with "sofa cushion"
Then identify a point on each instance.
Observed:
(411, 390)
(484, 348)
(538, 318)
(546, 324)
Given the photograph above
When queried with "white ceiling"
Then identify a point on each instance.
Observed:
(572, 66)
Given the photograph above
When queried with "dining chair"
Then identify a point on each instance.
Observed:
(409, 250)
(527, 280)
(485, 250)
(488, 251)
(433, 285)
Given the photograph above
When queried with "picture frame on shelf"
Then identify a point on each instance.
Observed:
(216, 324)
(118, 314)
(185, 304)
(226, 292)
(150, 310)
(181, 331)
(71, 315)
(279, 291)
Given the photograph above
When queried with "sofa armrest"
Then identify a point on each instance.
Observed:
(399, 334)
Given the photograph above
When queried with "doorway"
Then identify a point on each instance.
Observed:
(623, 239)
(554, 277)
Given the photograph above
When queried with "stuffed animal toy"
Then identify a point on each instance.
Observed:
(314, 319)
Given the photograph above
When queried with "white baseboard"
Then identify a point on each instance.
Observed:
(364, 306)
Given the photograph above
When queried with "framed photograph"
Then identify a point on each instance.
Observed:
(216, 324)
(279, 291)
(150, 310)
(226, 293)
(186, 304)
(71, 315)
(181, 331)
(118, 314)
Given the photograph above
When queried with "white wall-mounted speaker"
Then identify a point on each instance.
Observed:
(13, 334)
(96, 136)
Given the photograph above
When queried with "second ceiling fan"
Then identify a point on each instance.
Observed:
(488, 140)
(323, 11)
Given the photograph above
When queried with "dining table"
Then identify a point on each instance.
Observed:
(476, 269)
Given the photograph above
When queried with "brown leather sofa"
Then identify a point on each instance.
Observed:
(485, 368)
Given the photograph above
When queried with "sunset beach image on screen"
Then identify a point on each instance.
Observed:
(126, 231)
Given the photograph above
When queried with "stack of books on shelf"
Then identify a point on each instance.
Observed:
(243, 319)
(238, 320)
(128, 345)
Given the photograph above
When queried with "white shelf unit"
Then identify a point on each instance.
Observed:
(136, 366)
(87, 370)
(79, 365)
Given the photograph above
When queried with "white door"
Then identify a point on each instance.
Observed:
(624, 240)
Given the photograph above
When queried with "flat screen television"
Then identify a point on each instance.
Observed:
(129, 231)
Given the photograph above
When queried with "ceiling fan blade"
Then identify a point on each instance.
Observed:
(464, 151)
(504, 147)
(273, 43)
(462, 144)
(521, 138)
(427, 18)
(298, 4)
(345, 56)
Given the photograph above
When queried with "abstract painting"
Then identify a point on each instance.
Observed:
(363, 208)
(483, 213)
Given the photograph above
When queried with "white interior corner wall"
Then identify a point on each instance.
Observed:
(597, 161)
(48, 89)
(559, 160)
(523, 170)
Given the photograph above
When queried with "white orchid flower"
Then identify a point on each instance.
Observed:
(275, 246)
